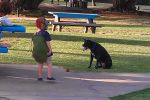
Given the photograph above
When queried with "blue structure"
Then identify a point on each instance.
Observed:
(73, 15)
(14, 28)
(3, 50)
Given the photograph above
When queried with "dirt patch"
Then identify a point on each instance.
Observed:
(58, 8)
(117, 17)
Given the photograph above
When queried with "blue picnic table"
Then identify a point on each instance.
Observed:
(73, 15)
(88, 24)
(14, 28)
(87, 16)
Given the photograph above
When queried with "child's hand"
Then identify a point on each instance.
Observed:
(4, 43)
(50, 53)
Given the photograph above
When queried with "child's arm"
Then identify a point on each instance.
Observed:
(49, 47)
(6, 22)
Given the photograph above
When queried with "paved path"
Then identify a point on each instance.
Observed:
(18, 82)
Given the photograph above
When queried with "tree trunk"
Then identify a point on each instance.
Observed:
(52, 1)
(124, 5)
(93, 3)
(32, 4)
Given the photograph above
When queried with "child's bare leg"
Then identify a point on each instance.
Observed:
(49, 70)
(49, 76)
(40, 70)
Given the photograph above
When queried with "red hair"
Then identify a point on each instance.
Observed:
(39, 21)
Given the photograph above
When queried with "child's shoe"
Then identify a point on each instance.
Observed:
(40, 79)
(51, 79)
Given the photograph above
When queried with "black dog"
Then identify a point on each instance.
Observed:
(98, 52)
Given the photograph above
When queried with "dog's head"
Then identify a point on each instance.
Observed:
(87, 44)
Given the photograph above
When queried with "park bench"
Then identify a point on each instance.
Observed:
(88, 24)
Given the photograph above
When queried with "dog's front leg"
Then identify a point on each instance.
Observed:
(96, 66)
(91, 60)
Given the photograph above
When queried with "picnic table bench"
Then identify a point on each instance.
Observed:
(88, 24)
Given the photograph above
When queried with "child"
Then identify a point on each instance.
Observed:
(5, 8)
(4, 43)
(42, 24)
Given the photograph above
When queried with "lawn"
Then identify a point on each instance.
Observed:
(138, 95)
(126, 38)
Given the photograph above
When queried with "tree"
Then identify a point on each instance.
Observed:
(5, 7)
(124, 5)
(26, 4)
(31, 4)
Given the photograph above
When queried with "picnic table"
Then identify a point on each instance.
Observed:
(58, 21)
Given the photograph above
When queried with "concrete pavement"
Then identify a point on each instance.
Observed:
(18, 82)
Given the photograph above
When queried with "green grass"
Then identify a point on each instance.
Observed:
(127, 42)
(138, 95)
